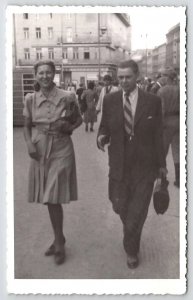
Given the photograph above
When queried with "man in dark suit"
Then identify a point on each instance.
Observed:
(132, 126)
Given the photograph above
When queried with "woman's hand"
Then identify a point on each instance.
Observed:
(32, 151)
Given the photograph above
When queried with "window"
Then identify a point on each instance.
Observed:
(39, 53)
(38, 32)
(68, 16)
(50, 16)
(25, 16)
(96, 55)
(86, 53)
(27, 53)
(75, 53)
(26, 33)
(50, 32)
(51, 53)
(64, 53)
(69, 35)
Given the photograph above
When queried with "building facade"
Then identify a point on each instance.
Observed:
(152, 62)
(173, 47)
(84, 47)
(158, 59)
(144, 59)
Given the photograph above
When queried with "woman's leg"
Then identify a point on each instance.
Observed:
(56, 217)
(91, 126)
(86, 126)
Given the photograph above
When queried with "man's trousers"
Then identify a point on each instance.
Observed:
(131, 201)
(171, 136)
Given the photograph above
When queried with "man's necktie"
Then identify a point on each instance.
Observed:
(128, 116)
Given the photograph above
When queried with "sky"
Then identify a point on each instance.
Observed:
(150, 25)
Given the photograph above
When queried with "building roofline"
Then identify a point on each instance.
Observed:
(173, 28)
(123, 18)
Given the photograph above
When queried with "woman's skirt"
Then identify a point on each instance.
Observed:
(52, 179)
(90, 115)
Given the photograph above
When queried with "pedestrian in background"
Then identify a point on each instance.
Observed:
(52, 178)
(148, 85)
(90, 97)
(170, 96)
(99, 87)
(108, 88)
(160, 82)
(79, 93)
(71, 88)
(132, 125)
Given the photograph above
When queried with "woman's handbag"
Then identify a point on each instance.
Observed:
(161, 197)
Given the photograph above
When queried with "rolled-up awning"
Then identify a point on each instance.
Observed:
(92, 76)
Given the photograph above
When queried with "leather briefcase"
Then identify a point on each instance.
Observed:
(161, 197)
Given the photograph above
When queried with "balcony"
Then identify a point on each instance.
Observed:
(86, 38)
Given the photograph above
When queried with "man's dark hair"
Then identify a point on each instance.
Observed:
(129, 64)
(91, 85)
(107, 77)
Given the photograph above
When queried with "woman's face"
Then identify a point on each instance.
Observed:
(45, 76)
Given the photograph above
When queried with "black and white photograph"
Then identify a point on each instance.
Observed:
(96, 135)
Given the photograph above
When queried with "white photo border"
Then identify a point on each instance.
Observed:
(89, 287)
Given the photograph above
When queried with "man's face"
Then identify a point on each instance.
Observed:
(127, 79)
(107, 82)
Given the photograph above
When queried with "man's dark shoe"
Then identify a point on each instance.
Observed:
(132, 262)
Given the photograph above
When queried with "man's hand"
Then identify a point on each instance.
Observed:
(97, 111)
(101, 141)
(163, 172)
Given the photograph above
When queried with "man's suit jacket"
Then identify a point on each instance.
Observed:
(145, 151)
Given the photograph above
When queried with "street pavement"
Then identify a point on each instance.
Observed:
(93, 231)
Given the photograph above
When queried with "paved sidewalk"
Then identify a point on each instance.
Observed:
(94, 232)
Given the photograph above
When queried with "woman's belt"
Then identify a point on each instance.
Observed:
(49, 131)
(53, 133)
(49, 139)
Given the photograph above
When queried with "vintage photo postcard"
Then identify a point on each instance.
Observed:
(96, 150)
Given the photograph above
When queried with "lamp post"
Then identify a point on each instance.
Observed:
(15, 43)
(146, 51)
(99, 47)
(101, 31)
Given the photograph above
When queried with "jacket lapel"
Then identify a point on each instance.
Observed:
(140, 106)
(118, 106)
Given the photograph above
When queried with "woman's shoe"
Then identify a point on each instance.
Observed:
(59, 257)
(50, 250)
